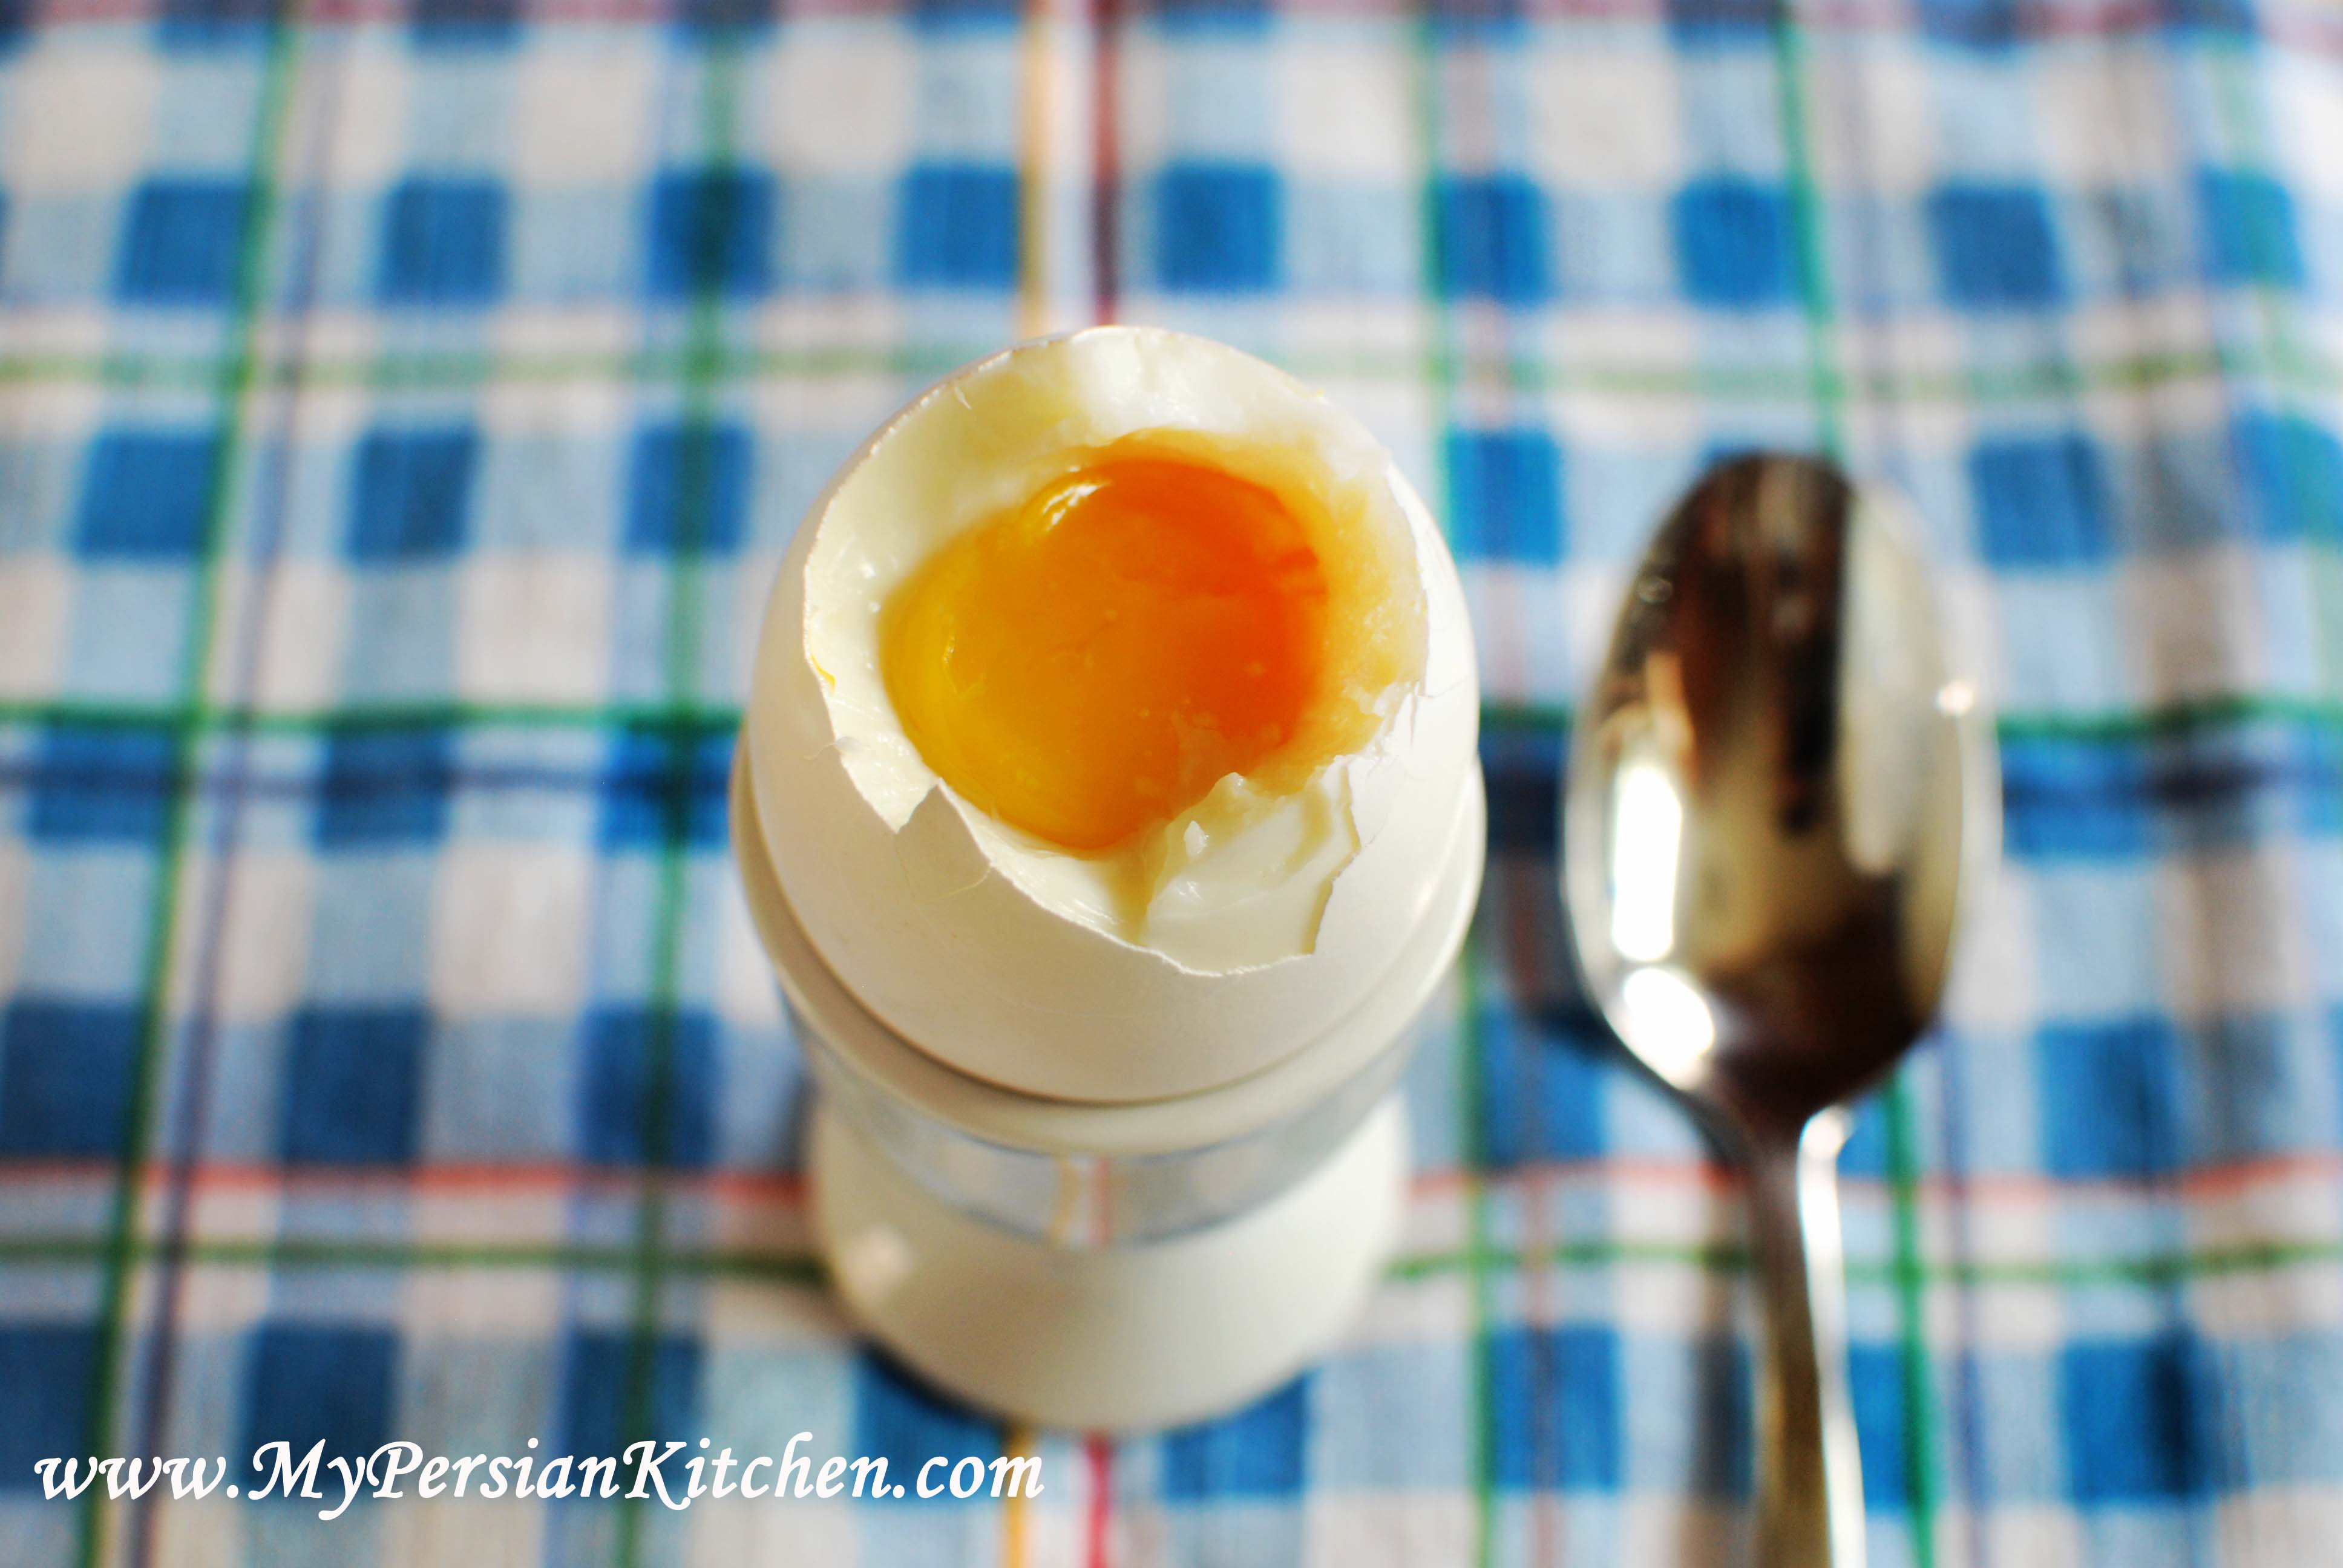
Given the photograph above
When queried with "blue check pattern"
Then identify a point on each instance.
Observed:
(404, 407)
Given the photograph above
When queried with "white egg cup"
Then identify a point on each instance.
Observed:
(1295, 1178)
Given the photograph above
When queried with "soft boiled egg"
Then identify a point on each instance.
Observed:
(1113, 719)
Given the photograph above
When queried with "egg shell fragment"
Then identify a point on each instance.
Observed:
(987, 952)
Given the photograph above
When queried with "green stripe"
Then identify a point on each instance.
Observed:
(2171, 721)
(706, 719)
(1904, 1272)
(2177, 720)
(1824, 384)
(1437, 371)
(2150, 1271)
(231, 388)
(323, 1254)
(2153, 1270)
(695, 459)
(2294, 365)
(398, 371)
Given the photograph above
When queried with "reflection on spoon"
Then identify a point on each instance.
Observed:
(1778, 796)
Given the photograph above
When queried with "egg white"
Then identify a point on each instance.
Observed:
(1209, 947)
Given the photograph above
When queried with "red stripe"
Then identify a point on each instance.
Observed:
(1101, 1453)
(787, 1187)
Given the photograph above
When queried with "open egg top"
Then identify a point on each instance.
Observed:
(1138, 608)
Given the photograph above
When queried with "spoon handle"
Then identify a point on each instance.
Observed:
(1809, 1475)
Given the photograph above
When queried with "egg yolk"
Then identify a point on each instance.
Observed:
(1091, 662)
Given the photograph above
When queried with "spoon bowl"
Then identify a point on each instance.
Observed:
(1780, 797)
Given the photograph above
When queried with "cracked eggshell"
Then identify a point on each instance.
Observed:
(997, 955)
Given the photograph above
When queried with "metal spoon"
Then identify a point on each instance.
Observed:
(1778, 793)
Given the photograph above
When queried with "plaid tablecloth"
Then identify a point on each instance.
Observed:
(402, 411)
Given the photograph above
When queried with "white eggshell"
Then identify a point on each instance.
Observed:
(992, 954)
